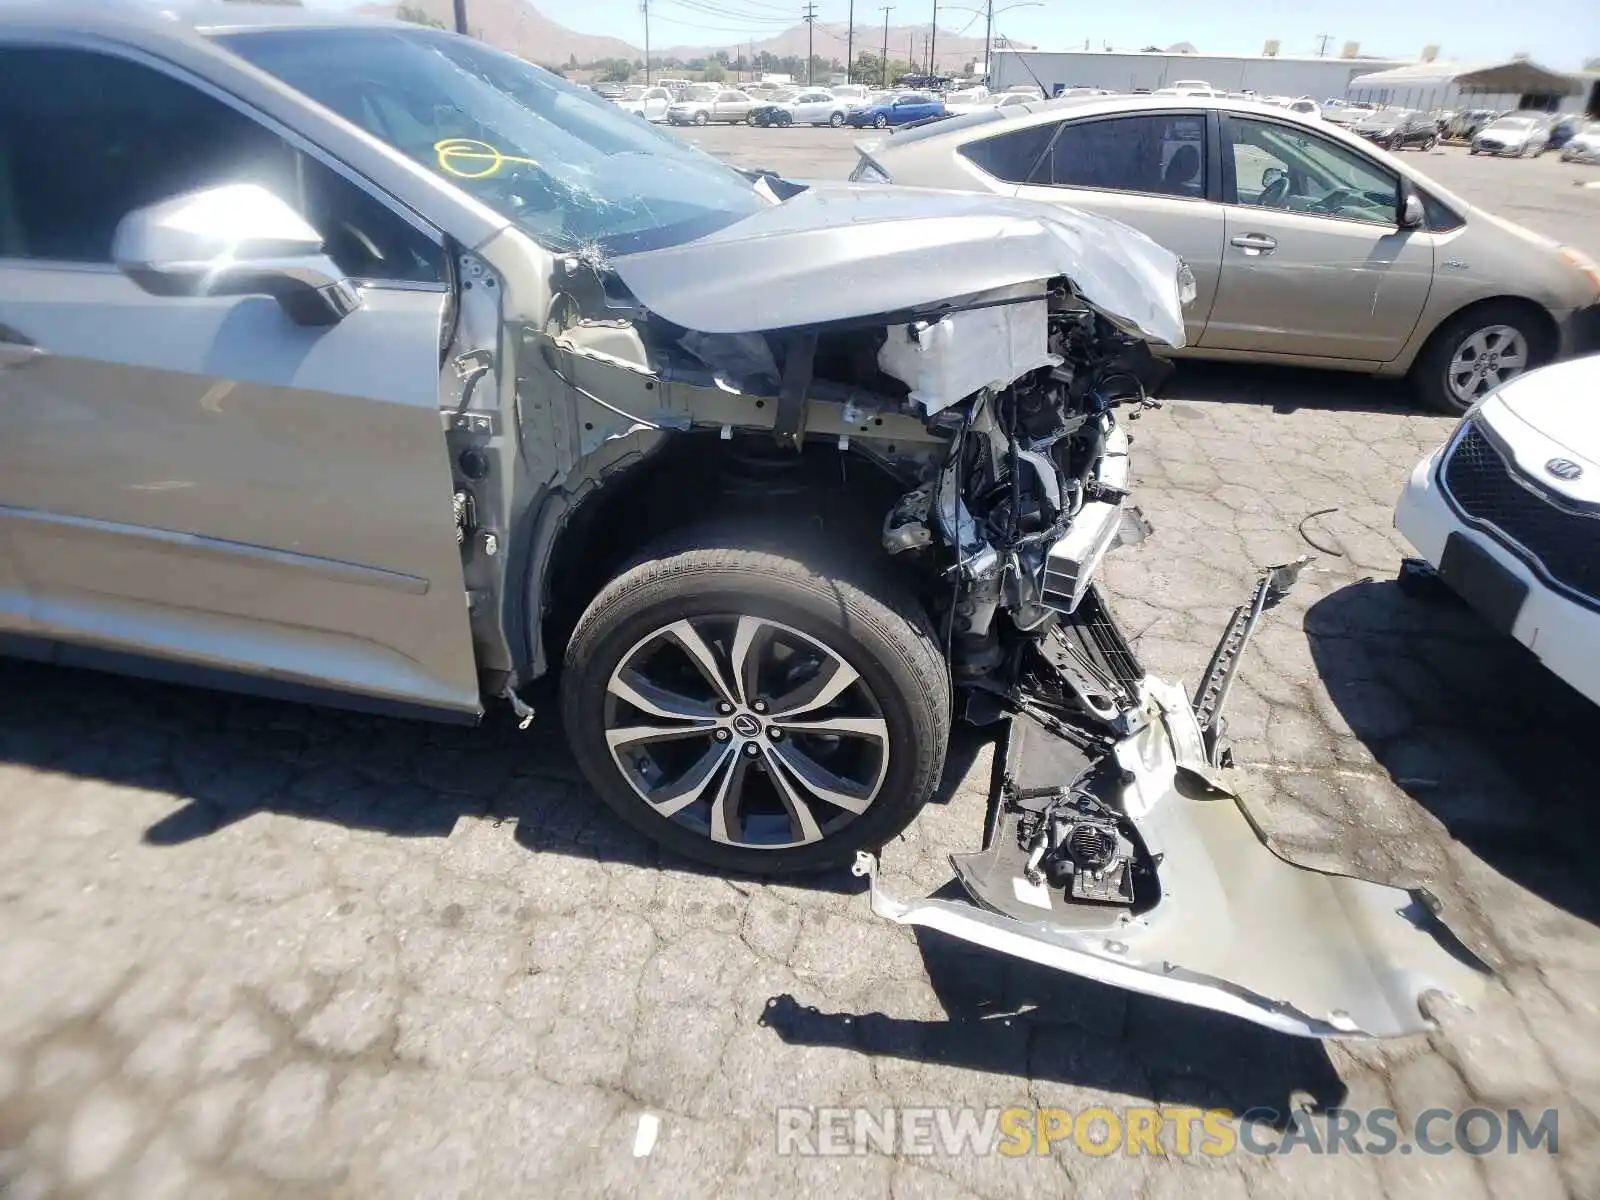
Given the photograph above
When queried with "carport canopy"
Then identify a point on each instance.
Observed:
(1519, 77)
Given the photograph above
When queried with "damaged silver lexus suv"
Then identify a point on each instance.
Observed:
(365, 363)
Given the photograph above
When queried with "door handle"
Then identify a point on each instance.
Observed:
(1254, 243)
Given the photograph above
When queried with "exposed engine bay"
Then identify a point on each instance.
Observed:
(1115, 845)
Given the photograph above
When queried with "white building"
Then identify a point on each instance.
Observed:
(1513, 85)
(1120, 71)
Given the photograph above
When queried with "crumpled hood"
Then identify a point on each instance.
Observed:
(841, 251)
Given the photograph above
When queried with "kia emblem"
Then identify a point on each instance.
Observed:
(1564, 468)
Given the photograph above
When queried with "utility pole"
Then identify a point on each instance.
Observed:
(850, 47)
(1322, 50)
(644, 7)
(883, 63)
(988, 48)
(933, 41)
(461, 16)
(811, 25)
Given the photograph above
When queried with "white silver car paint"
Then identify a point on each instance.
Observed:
(1238, 929)
(838, 251)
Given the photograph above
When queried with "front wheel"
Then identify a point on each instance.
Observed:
(785, 120)
(836, 120)
(749, 711)
(1475, 352)
(701, 118)
(880, 122)
(1427, 146)
(750, 119)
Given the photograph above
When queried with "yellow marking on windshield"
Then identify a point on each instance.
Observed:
(469, 159)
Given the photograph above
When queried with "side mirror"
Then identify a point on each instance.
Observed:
(1412, 215)
(236, 240)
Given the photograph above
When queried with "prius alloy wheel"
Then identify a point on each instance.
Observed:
(1486, 359)
(1477, 351)
(754, 712)
(748, 732)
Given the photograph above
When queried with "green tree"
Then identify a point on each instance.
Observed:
(714, 73)
(417, 15)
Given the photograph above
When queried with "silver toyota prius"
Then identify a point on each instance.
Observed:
(1310, 246)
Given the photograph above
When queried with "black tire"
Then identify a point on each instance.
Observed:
(880, 122)
(750, 119)
(861, 615)
(1427, 146)
(836, 119)
(702, 118)
(785, 120)
(1430, 372)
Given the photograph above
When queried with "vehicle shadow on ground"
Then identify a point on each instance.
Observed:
(226, 757)
(1010, 1017)
(1474, 728)
(1289, 389)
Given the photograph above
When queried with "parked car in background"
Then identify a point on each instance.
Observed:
(1505, 513)
(780, 110)
(608, 91)
(1519, 135)
(1305, 106)
(1344, 112)
(726, 105)
(1583, 146)
(650, 103)
(826, 107)
(1564, 129)
(1309, 246)
(1467, 123)
(1397, 128)
(901, 109)
(848, 91)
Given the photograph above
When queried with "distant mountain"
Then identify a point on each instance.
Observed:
(521, 28)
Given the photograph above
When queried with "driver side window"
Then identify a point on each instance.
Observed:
(85, 138)
(1275, 166)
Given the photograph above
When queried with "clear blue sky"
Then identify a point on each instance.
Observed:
(1557, 33)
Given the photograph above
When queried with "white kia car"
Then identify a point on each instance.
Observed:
(1508, 512)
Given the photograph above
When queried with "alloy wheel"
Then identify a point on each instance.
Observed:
(746, 731)
(1484, 360)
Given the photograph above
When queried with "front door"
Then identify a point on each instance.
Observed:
(1315, 262)
(203, 480)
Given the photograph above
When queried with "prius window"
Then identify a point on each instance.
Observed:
(86, 138)
(1159, 154)
(1275, 166)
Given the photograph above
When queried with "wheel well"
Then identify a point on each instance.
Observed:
(1540, 315)
(700, 477)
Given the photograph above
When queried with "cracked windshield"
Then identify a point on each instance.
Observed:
(568, 168)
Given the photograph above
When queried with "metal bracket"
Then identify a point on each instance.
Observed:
(789, 427)
(1212, 693)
